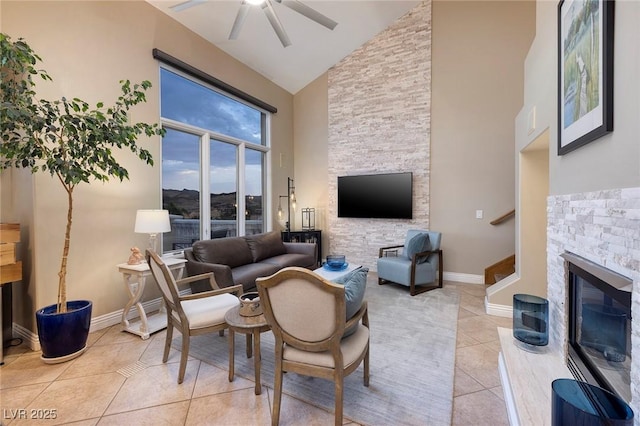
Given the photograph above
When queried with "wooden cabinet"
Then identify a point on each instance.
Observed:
(311, 236)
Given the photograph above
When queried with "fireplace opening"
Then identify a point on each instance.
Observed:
(599, 333)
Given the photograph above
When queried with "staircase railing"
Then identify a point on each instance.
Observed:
(503, 218)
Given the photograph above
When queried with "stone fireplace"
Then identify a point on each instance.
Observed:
(599, 326)
(603, 229)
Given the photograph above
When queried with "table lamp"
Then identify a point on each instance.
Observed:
(152, 222)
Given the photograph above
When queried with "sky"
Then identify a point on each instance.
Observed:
(188, 102)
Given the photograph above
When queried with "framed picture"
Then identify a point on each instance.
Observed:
(585, 72)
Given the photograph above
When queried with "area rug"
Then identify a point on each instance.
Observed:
(413, 343)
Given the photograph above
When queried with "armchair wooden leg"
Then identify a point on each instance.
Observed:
(184, 356)
(167, 342)
(277, 393)
(440, 268)
(339, 399)
(366, 367)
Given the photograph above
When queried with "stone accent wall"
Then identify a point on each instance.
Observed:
(379, 122)
(604, 227)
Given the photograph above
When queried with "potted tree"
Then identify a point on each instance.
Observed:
(74, 143)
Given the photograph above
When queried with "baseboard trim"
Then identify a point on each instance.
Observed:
(28, 338)
(463, 278)
(497, 310)
(97, 323)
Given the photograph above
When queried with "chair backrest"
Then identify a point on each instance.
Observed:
(165, 280)
(303, 309)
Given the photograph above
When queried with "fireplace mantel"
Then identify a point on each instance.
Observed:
(526, 381)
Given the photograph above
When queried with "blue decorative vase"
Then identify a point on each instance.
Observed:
(63, 336)
(531, 320)
(576, 403)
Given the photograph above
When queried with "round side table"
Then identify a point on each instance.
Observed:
(252, 327)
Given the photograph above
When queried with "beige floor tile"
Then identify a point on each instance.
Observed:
(472, 303)
(295, 412)
(481, 328)
(241, 407)
(149, 393)
(167, 414)
(13, 400)
(97, 361)
(155, 350)
(464, 383)
(213, 380)
(478, 290)
(155, 385)
(501, 321)
(89, 422)
(29, 369)
(114, 335)
(94, 336)
(15, 351)
(465, 313)
(480, 409)
(480, 362)
(76, 399)
(498, 391)
(463, 340)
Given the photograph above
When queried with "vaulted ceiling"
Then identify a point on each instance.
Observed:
(314, 48)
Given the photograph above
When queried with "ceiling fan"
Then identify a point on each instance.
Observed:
(267, 7)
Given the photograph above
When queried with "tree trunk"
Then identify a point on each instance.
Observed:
(62, 283)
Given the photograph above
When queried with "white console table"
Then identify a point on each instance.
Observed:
(135, 277)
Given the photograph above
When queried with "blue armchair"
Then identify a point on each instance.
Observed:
(413, 264)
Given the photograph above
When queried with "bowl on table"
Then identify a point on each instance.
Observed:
(335, 261)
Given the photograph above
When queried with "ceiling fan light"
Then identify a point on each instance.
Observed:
(255, 2)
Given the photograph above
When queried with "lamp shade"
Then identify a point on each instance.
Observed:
(152, 221)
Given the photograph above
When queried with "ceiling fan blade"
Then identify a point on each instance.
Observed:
(310, 13)
(275, 23)
(240, 17)
(186, 5)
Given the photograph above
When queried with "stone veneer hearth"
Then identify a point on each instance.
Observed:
(379, 121)
(603, 227)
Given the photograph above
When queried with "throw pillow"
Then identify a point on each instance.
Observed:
(264, 246)
(355, 284)
(417, 244)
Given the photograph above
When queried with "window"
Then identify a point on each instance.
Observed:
(213, 162)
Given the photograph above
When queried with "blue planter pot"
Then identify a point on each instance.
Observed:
(63, 336)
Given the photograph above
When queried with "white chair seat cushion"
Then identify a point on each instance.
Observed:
(352, 348)
(208, 310)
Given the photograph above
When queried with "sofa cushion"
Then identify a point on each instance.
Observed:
(247, 274)
(265, 245)
(233, 251)
(417, 244)
(355, 284)
(291, 259)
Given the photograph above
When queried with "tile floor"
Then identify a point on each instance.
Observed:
(102, 388)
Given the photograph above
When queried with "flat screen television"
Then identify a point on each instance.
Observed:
(383, 196)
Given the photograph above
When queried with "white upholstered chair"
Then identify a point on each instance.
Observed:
(307, 315)
(192, 314)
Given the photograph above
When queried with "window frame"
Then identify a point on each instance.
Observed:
(206, 135)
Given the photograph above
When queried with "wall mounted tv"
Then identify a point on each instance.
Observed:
(384, 196)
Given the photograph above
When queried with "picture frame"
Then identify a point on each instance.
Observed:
(585, 72)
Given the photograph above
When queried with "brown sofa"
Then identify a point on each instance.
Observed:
(240, 260)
